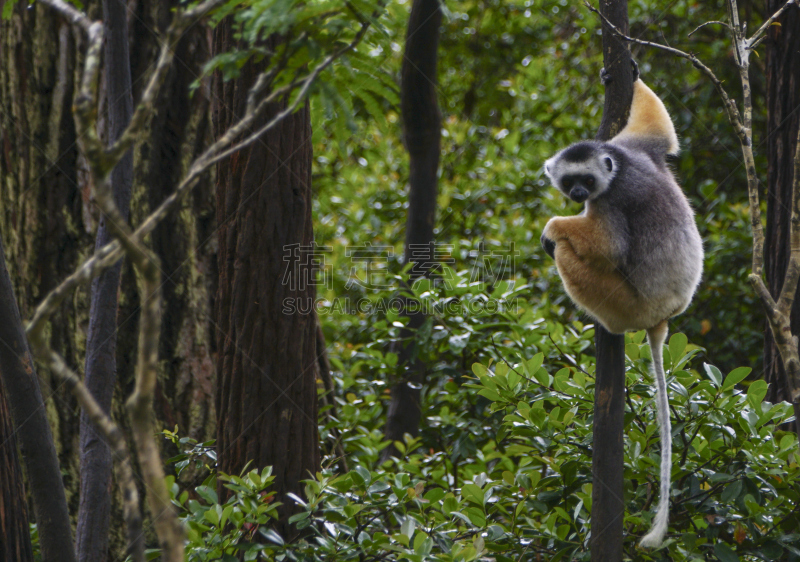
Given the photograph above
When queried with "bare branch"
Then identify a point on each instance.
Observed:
(75, 17)
(702, 25)
(86, 104)
(168, 527)
(761, 33)
(88, 270)
(766, 299)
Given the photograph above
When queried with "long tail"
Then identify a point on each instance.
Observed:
(656, 337)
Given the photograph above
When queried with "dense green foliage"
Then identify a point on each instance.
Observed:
(504, 468)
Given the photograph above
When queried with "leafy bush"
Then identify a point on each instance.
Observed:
(503, 471)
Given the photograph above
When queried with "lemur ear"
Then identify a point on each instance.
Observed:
(609, 163)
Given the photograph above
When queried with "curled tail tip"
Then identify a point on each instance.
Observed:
(654, 538)
(651, 542)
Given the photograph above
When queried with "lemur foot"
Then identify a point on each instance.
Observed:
(549, 246)
(605, 76)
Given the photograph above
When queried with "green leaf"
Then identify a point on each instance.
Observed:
(756, 393)
(731, 491)
(271, 535)
(677, 345)
(422, 544)
(364, 474)
(472, 493)
(476, 516)
(211, 516)
(434, 495)
(450, 504)
(736, 376)
(408, 526)
(490, 394)
(207, 494)
(724, 553)
(532, 365)
(8, 9)
(714, 374)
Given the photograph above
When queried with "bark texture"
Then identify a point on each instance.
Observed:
(421, 136)
(267, 363)
(101, 366)
(48, 221)
(608, 509)
(16, 543)
(783, 99)
(41, 201)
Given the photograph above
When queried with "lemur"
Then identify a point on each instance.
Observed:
(633, 258)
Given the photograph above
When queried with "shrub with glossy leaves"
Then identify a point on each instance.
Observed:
(521, 489)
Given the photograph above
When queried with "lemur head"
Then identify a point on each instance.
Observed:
(582, 171)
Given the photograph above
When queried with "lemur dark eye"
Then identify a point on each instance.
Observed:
(567, 183)
(590, 181)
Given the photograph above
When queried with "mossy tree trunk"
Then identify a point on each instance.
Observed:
(267, 364)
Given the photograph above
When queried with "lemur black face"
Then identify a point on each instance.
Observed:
(578, 186)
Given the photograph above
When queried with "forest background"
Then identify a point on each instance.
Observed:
(500, 465)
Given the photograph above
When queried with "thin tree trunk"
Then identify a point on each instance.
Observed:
(265, 320)
(101, 368)
(783, 99)
(15, 545)
(421, 136)
(36, 440)
(608, 509)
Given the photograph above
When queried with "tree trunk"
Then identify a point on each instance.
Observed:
(608, 509)
(41, 202)
(101, 367)
(783, 98)
(421, 136)
(16, 543)
(265, 321)
(27, 407)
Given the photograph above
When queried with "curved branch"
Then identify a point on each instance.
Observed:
(702, 25)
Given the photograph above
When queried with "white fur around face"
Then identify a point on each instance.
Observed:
(556, 168)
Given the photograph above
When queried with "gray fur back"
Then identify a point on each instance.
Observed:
(661, 252)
